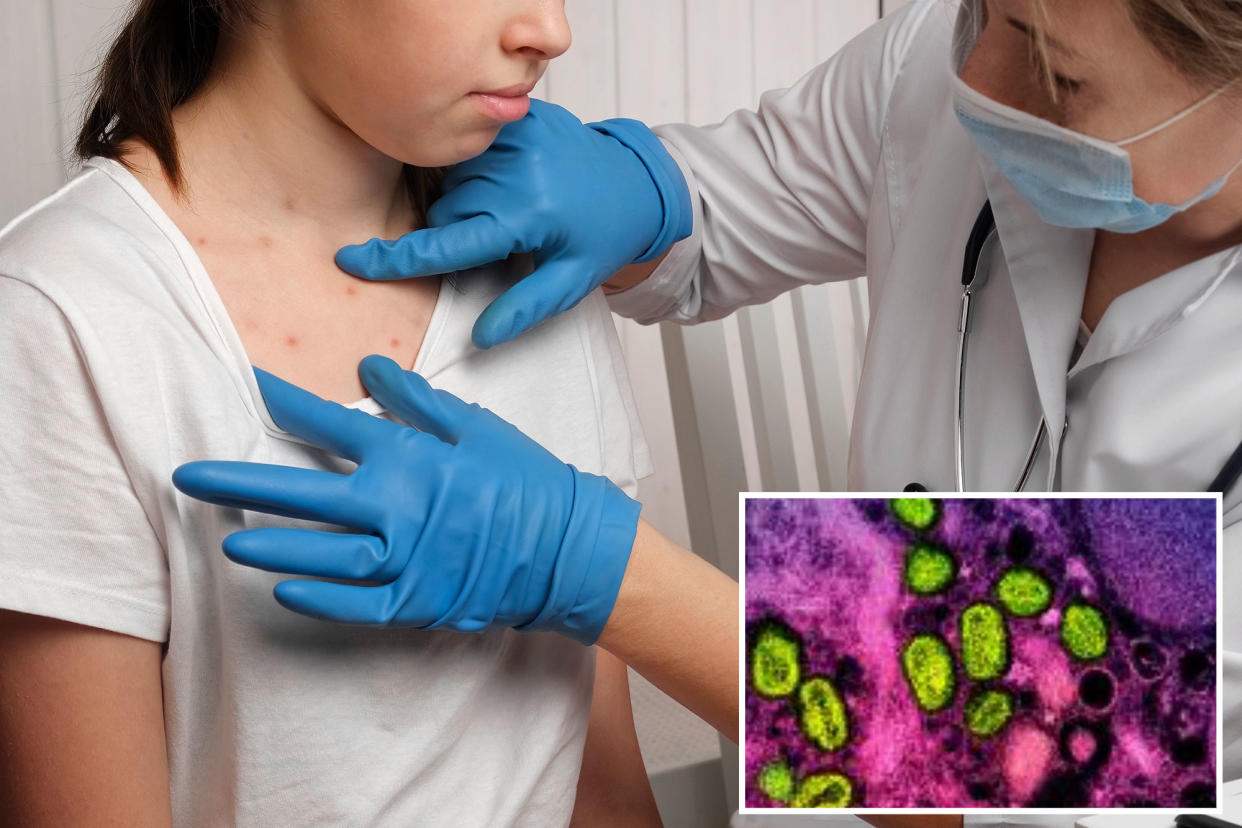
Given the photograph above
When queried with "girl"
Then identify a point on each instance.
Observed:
(1076, 161)
(230, 149)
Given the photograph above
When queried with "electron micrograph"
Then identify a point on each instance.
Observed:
(980, 653)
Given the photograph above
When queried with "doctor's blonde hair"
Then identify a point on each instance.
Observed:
(1202, 38)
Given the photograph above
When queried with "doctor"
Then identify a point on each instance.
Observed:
(1060, 172)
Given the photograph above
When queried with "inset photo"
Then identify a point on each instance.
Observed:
(980, 652)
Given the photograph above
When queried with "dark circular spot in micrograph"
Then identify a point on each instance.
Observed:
(1196, 669)
(1198, 795)
(1061, 790)
(1028, 699)
(952, 739)
(1095, 688)
(1141, 803)
(993, 553)
(1020, 544)
(985, 510)
(1189, 751)
(875, 510)
(925, 617)
(1086, 744)
(849, 675)
(981, 791)
(1124, 622)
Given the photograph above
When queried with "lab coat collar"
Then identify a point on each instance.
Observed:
(1143, 313)
(1048, 270)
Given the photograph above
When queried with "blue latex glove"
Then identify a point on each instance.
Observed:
(465, 521)
(589, 200)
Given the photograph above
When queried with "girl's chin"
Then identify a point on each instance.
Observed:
(450, 149)
(472, 144)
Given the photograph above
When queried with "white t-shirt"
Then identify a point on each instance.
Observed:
(119, 364)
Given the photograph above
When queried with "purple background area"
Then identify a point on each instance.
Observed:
(831, 570)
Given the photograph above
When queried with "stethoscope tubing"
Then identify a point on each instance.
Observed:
(981, 234)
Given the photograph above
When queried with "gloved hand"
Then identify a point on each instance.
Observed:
(589, 200)
(466, 521)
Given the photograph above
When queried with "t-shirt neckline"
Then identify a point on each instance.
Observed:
(213, 304)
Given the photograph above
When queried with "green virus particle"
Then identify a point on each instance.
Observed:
(774, 670)
(1084, 632)
(1024, 592)
(928, 666)
(824, 719)
(929, 569)
(824, 790)
(988, 711)
(776, 780)
(919, 513)
(984, 642)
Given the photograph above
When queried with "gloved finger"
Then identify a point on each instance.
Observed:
(329, 425)
(480, 167)
(408, 395)
(305, 494)
(307, 552)
(458, 246)
(475, 197)
(554, 287)
(347, 603)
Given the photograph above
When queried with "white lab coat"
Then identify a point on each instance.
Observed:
(863, 168)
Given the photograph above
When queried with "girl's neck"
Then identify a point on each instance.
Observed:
(254, 143)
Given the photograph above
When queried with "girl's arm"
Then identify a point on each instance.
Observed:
(613, 788)
(81, 726)
(676, 623)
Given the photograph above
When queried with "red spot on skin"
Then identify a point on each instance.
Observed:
(202, 240)
(288, 203)
(394, 342)
(266, 241)
(291, 341)
(351, 290)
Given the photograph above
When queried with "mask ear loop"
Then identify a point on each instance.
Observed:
(1187, 111)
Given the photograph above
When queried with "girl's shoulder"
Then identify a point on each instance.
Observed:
(94, 241)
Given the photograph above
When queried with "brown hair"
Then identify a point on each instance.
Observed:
(161, 58)
(1202, 38)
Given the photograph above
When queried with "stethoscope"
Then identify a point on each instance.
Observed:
(982, 235)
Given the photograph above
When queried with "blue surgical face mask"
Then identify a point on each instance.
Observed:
(1070, 179)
